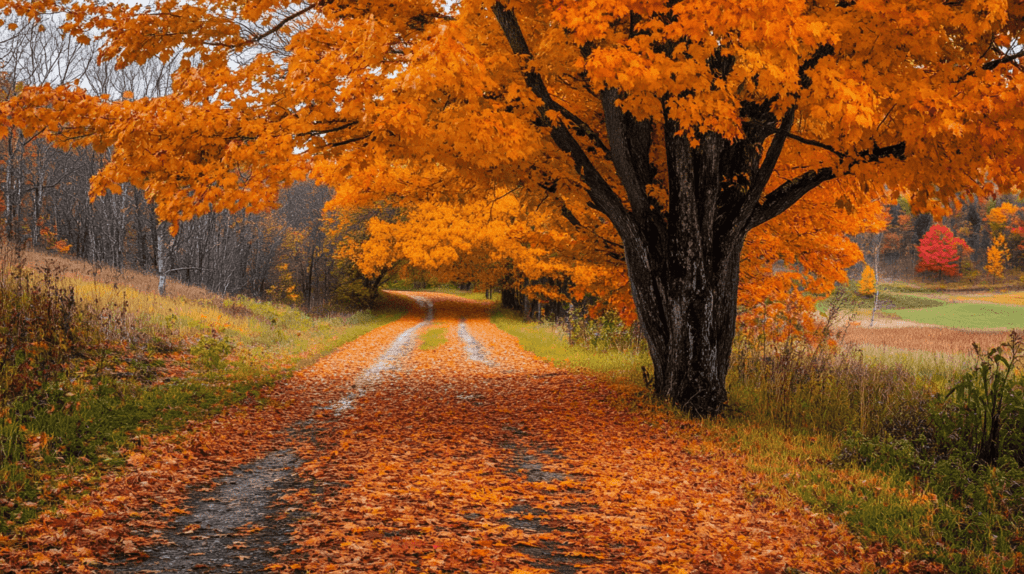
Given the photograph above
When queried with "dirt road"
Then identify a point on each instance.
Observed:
(472, 457)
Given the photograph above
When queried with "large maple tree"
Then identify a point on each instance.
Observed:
(679, 126)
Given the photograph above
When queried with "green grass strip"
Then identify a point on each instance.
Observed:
(548, 341)
(968, 316)
(432, 339)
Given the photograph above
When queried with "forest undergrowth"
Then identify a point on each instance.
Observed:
(93, 360)
(921, 455)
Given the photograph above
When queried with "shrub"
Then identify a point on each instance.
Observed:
(41, 325)
(988, 414)
(606, 332)
(967, 445)
(211, 350)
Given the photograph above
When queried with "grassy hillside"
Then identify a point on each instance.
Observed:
(90, 358)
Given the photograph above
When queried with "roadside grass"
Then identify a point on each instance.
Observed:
(128, 363)
(548, 341)
(432, 339)
(793, 418)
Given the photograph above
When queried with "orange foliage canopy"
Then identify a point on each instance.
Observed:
(267, 88)
(585, 106)
(788, 264)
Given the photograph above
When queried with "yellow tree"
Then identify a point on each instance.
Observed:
(997, 256)
(1001, 217)
(680, 127)
(350, 230)
(867, 281)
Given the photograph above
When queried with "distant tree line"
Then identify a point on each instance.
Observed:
(982, 239)
(45, 202)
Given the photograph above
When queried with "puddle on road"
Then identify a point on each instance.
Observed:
(546, 554)
(230, 527)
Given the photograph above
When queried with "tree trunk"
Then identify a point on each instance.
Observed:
(878, 278)
(687, 312)
(37, 202)
(682, 258)
(10, 199)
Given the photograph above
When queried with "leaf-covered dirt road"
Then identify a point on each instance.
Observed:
(471, 457)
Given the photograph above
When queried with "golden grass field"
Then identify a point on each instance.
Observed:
(914, 337)
(188, 313)
(892, 331)
(82, 273)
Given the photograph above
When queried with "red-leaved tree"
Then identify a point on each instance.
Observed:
(940, 251)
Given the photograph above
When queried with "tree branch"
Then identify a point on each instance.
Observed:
(898, 151)
(344, 126)
(1006, 59)
(993, 64)
(822, 51)
(771, 158)
(349, 141)
(600, 192)
(514, 34)
(789, 193)
(277, 27)
(632, 180)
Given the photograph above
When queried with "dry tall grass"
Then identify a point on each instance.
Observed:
(185, 314)
(925, 338)
(82, 272)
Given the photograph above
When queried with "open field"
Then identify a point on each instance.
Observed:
(963, 315)
(935, 321)
(905, 335)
